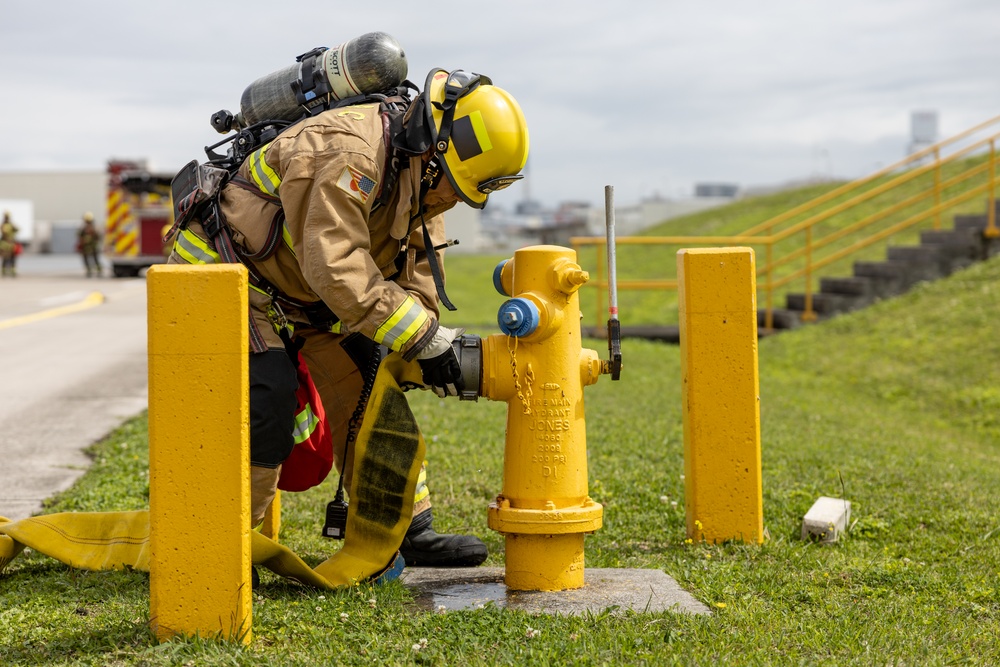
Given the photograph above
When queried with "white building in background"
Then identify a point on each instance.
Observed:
(462, 225)
(58, 200)
(22, 214)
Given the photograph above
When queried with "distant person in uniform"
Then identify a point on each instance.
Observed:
(88, 244)
(9, 247)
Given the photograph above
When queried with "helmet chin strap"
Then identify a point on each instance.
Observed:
(430, 179)
(433, 172)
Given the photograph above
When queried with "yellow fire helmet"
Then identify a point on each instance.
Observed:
(478, 129)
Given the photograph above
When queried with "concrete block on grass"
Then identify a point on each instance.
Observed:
(826, 519)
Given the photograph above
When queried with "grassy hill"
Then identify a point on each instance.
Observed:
(896, 408)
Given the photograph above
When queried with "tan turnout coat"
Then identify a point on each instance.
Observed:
(368, 267)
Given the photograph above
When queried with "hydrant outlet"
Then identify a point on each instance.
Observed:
(518, 317)
(469, 352)
(498, 278)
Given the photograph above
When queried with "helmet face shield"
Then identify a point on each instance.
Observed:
(479, 131)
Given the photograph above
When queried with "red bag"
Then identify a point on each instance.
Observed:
(18, 249)
(312, 457)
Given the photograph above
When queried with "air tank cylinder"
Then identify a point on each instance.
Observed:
(371, 63)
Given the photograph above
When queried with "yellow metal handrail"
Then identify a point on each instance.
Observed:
(842, 223)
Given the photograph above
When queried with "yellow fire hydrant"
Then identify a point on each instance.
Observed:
(539, 367)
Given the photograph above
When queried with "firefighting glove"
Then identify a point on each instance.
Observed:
(439, 363)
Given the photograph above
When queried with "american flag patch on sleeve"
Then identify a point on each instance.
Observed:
(356, 184)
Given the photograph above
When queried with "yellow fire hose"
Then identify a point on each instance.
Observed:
(387, 457)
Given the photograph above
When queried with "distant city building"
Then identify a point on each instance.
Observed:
(730, 190)
(923, 130)
(528, 207)
(530, 223)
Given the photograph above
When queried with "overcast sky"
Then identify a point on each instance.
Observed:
(648, 96)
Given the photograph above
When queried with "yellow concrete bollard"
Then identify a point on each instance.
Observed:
(199, 488)
(720, 396)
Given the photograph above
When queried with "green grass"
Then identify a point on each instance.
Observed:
(470, 288)
(896, 408)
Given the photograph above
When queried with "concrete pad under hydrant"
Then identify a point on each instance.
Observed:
(454, 589)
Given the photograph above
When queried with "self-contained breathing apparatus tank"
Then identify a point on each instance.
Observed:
(371, 63)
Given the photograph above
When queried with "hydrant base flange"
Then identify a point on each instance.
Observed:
(563, 521)
(544, 562)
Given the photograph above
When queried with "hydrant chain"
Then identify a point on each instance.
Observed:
(525, 400)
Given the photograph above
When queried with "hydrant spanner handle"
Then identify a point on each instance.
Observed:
(614, 326)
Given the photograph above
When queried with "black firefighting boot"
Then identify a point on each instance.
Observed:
(422, 547)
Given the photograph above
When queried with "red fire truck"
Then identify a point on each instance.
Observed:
(139, 212)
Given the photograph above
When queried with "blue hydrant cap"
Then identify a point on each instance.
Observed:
(497, 282)
(518, 317)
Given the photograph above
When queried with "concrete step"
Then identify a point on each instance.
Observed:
(970, 221)
(824, 304)
(888, 278)
(963, 238)
(853, 286)
(929, 261)
(783, 319)
(918, 254)
(947, 257)
(958, 248)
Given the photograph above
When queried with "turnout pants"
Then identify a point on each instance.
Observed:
(339, 381)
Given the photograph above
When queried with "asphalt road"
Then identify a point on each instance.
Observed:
(67, 378)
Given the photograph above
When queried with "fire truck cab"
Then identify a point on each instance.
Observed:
(139, 212)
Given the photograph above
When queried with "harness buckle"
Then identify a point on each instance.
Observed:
(276, 316)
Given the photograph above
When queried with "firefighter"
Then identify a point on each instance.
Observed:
(340, 212)
(8, 246)
(88, 243)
